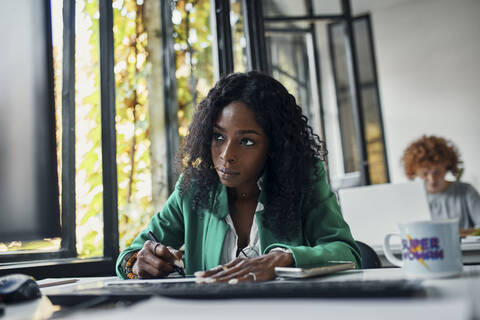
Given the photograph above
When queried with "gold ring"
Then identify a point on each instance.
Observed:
(225, 268)
(253, 276)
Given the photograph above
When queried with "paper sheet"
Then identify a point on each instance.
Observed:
(137, 281)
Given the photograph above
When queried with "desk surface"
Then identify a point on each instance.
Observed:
(453, 298)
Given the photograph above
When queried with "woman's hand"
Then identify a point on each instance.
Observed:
(155, 260)
(247, 269)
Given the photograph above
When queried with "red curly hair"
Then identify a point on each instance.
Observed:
(428, 151)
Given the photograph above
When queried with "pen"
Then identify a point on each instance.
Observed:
(56, 283)
(175, 267)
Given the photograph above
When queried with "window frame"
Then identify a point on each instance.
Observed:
(359, 119)
(65, 262)
(169, 93)
(346, 17)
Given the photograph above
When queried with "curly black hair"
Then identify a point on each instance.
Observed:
(294, 149)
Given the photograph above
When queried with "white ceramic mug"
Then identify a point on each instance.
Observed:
(430, 249)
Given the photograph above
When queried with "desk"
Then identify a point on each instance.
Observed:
(454, 298)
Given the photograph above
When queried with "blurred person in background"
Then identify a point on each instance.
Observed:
(430, 158)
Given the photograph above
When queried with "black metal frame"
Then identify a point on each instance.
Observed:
(68, 130)
(255, 35)
(310, 17)
(169, 92)
(109, 144)
(224, 36)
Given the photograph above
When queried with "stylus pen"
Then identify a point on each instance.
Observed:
(175, 267)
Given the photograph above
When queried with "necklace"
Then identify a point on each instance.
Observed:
(244, 195)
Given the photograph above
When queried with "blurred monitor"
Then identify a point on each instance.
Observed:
(373, 211)
(29, 207)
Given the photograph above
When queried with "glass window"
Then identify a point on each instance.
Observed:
(345, 114)
(140, 127)
(132, 68)
(239, 40)
(272, 8)
(324, 7)
(291, 61)
(347, 130)
(370, 100)
(47, 245)
(57, 43)
(88, 152)
(193, 57)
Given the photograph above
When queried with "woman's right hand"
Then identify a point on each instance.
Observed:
(155, 260)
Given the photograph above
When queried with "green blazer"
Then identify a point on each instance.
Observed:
(323, 236)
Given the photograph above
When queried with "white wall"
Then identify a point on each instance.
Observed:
(428, 64)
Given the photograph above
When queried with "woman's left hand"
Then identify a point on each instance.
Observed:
(260, 268)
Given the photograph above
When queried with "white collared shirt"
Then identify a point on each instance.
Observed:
(230, 245)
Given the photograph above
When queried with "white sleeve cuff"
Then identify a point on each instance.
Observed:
(285, 250)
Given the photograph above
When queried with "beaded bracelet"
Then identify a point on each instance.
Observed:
(129, 262)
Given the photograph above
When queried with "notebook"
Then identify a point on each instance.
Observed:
(373, 211)
(297, 273)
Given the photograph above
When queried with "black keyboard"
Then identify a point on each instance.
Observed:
(272, 289)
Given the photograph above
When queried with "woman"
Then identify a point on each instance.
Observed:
(430, 158)
(253, 194)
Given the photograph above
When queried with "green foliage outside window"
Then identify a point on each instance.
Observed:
(194, 72)
(193, 57)
(132, 120)
(88, 155)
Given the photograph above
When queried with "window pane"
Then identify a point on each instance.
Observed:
(193, 56)
(364, 52)
(57, 39)
(374, 136)
(272, 8)
(132, 72)
(238, 36)
(322, 7)
(141, 135)
(88, 153)
(344, 102)
(48, 245)
(339, 56)
(347, 131)
(288, 58)
(370, 102)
